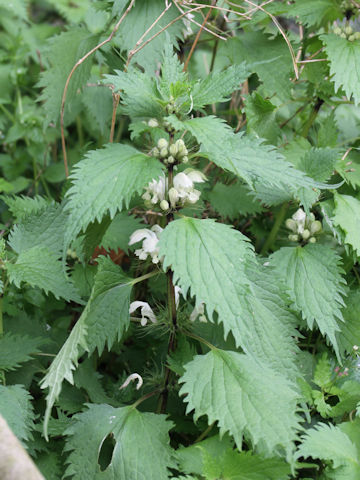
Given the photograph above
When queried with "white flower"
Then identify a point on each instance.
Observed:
(150, 240)
(155, 191)
(184, 187)
(178, 292)
(131, 378)
(300, 217)
(198, 311)
(146, 312)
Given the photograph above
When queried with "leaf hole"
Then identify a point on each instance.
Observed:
(106, 452)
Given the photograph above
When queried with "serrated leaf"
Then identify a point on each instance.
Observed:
(118, 233)
(347, 217)
(344, 59)
(43, 229)
(171, 72)
(73, 12)
(17, 349)
(218, 86)
(230, 201)
(138, 21)
(312, 275)
(104, 319)
(230, 388)
(261, 118)
(98, 102)
(329, 443)
(16, 408)
(216, 264)
(104, 182)
(315, 13)
(141, 450)
(63, 52)
(40, 267)
(21, 207)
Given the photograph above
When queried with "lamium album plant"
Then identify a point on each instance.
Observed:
(180, 238)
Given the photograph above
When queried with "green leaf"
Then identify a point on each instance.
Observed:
(104, 319)
(218, 86)
(316, 13)
(99, 104)
(40, 267)
(104, 182)
(43, 229)
(330, 443)
(73, 12)
(261, 118)
(172, 72)
(244, 466)
(141, 449)
(63, 52)
(231, 201)
(347, 216)
(230, 388)
(119, 231)
(17, 349)
(139, 94)
(344, 59)
(216, 264)
(312, 275)
(16, 408)
(22, 207)
(350, 329)
(141, 17)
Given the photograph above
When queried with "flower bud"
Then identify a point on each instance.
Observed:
(173, 149)
(348, 30)
(312, 240)
(173, 196)
(170, 159)
(293, 238)
(357, 35)
(185, 159)
(351, 38)
(156, 152)
(342, 35)
(180, 146)
(73, 254)
(162, 143)
(315, 227)
(164, 152)
(337, 30)
(306, 234)
(164, 205)
(291, 224)
(153, 123)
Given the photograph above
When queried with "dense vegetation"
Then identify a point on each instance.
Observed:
(180, 237)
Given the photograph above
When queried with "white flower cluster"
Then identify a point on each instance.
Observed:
(303, 227)
(173, 153)
(150, 238)
(183, 192)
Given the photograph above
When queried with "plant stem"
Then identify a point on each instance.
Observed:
(145, 397)
(145, 277)
(274, 231)
(205, 433)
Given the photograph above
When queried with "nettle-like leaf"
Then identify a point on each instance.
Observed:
(347, 217)
(219, 86)
(315, 13)
(313, 277)
(40, 267)
(230, 388)
(63, 52)
(261, 118)
(217, 265)
(142, 444)
(330, 443)
(344, 59)
(350, 328)
(230, 201)
(17, 349)
(104, 182)
(104, 319)
(119, 231)
(22, 207)
(16, 408)
(45, 229)
(248, 158)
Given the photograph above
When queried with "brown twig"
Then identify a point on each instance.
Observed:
(198, 36)
(77, 64)
(197, 23)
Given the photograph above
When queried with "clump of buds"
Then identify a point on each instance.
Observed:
(304, 227)
(346, 32)
(173, 153)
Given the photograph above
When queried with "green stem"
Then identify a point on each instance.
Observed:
(274, 231)
(311, 120)
(145, 277)
(199, 339)
(145, 397)
(205, 433)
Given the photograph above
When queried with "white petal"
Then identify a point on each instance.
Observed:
(198, 310)
(178, 291)
(157, 229)
(182, 181)
(146, 312)
(139, 235)
(196, 176)
(132, 377)
(135, 305)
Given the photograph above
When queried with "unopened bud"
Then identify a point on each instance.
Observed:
(185, 159)
(351, 38)
(293, 238)
(73, 254)
(355, 348)
(164, 205)
(291, 224)
(348, 30)
(170, 159)
(312, 240)
(357, 35)
(337, 30)
(156, 152)
(164, 152)
(173, 196)
(315, 227)
(342, 35)
(180, 145)
(162, 143)
(153, 123)
(306, 234)
(173, 149)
